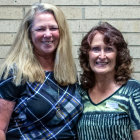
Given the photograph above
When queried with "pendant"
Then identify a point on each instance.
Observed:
(58, 112)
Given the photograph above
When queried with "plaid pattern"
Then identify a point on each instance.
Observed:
(43, 111)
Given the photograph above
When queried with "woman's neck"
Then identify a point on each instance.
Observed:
(47, 63)
(105, 80)
(104, 87)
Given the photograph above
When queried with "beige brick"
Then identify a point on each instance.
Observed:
(72, 12)
(9, 25)
(93, 13)
(135, 52)
(72, 2)
(1, 61)
(82, 25)
(78, 65)
(11, 12)
(6, 38)
(125, 25)
(136, 76)
(120, 2)
(76, 39)
(18, 2)
(132, 38)
(75, 51)
(4, 51)
(26, 9)
(136, 65)
(115, 12)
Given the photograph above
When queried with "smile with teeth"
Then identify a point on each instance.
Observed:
(47, 42)
(101, 63)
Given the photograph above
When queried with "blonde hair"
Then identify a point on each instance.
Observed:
(22, 61)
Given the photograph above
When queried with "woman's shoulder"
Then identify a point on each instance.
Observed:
(133, 83)
(131, 88)
(8, 89)
(6, 81)
(81, 90)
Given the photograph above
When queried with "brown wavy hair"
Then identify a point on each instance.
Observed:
(113, 37)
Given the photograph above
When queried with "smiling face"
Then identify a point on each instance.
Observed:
(102, 58)
(45, 34)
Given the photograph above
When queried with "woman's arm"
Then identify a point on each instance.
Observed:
(136, 135)
(6, 109)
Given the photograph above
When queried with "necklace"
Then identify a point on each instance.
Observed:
(59, 113)
(58, 109)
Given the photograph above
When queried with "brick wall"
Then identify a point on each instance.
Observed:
(82, 15)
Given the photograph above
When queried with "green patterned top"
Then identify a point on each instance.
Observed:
(114, 118)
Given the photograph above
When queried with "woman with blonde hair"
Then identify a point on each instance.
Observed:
(39, 95)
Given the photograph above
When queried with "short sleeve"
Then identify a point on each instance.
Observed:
(8, 90)
(134, 107)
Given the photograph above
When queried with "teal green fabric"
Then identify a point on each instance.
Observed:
(114, 118)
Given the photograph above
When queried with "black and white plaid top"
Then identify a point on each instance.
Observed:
(43, 111)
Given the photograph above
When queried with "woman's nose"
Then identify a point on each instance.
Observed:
(47, 33)
(102, 54)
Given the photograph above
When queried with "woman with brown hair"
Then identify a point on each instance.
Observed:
(111, 98)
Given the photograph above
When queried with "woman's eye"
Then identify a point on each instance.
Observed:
(53, 28)
(108, 49)
(95, 49)
(42, 29)
(39, 29)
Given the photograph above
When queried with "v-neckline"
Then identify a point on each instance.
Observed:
(103, 99)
